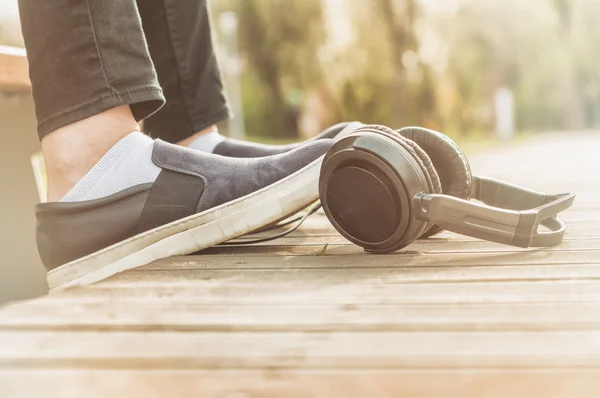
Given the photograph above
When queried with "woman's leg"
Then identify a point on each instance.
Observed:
(120, 199)
(92, 79)
(86, 57)
(181, 45)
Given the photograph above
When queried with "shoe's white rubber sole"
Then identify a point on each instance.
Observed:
(196, 232)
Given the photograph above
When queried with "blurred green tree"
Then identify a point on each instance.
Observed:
(278, 41)
(379, 77)
(419, 62)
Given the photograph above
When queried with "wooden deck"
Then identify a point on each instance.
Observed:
(450, 317)
(21, 272)
(14, 70)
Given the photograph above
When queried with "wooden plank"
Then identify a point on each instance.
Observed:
(365, 276)
(14, 70)
(582, 234)
(363, 260)
(330, 235)
(317, 225)
(271, 383)
(300, 350)
(69, 316)
(197, 292)
(575, 220)
(580, 211)
(21, 272)
(339, 246)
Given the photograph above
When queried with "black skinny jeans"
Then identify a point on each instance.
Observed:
(157, 56)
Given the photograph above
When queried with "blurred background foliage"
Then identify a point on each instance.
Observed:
(437, 63)
(305, 64)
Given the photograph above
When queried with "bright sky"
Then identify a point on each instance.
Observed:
(441, 5)
(8, 9)
(9, 23)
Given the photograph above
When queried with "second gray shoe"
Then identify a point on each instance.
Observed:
(246, 149)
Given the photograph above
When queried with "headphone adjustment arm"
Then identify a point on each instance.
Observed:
(468, 218)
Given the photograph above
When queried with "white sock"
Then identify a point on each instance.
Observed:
(126, 164)
(207, 142)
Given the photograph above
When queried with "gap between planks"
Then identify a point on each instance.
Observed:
(215, 294)
(300, 350)
(408, 259)
(62, 316)
(271, 383)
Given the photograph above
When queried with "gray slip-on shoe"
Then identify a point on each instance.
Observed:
(198, 200)
(246, 149)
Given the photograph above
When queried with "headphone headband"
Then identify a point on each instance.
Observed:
(510, 214)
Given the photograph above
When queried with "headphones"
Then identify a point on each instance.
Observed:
(383, 189)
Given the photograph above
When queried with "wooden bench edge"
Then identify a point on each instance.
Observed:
(14, 70)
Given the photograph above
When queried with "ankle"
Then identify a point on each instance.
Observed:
(71, 151)
(193, 137)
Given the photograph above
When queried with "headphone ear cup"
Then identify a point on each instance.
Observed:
(450, 162)
(367, 184)
(417, 152)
